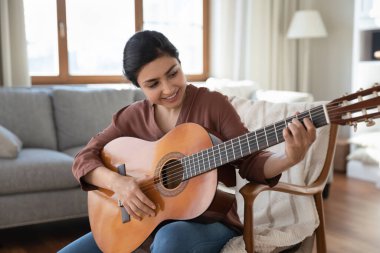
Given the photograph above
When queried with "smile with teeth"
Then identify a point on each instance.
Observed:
(172, 96)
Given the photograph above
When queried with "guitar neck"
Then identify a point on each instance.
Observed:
(246, 144)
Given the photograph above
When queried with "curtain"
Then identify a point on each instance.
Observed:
(13, 52)
(248, 41)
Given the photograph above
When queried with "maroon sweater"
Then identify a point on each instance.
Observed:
(211, 110)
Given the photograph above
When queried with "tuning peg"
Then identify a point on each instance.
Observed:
(355, 125)
(370, 122)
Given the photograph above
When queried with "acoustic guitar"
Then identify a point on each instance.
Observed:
(178, 172)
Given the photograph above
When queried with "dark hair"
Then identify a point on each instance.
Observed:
(142, 48)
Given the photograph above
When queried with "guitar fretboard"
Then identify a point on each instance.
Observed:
(246, 144)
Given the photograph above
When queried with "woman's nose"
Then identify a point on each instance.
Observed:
(167, 88)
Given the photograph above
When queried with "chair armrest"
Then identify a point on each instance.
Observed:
(251, 190)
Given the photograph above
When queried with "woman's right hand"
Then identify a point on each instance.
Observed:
(133, 199)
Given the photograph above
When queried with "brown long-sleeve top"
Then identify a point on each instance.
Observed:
(211, 110)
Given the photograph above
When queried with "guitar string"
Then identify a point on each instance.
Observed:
(251, 136)
(226, 149)
(288, 119)
(201, 161)
(268, 138)
(176, 170)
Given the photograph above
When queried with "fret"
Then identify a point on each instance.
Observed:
(193, 165)
(206, 161)
(233, 149)
(194, 169)
(272, 140)
(213, 154)
(208, 158)
(275, 131)
(249, 144)
(247, 150)
(266, 137)
(311, 117)
(257, 141)
(189, 168)
(225, 155)
(198, 164)
(289, 120)
(241, 149)
(260, 133)
(183, 163)
(220, 155)
(203, 163)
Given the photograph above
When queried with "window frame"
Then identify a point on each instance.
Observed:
(65, 78)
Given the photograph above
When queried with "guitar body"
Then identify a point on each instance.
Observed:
(148, 163)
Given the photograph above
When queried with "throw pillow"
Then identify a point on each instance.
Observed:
(10, 144)
(370, 139)
(367, 155)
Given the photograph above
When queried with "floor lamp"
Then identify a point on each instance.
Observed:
(306, 24)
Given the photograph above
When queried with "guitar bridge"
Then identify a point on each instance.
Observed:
(124, 214)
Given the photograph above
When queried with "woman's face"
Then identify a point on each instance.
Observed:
(163, 82)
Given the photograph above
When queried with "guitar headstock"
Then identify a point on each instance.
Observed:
(361, 106)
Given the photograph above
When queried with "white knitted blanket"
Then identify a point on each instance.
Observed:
(280, 219)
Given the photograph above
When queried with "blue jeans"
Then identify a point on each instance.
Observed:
(174, 237)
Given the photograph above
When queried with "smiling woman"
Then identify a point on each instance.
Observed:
(82, 41)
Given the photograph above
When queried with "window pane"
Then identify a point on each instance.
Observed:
(96, 34)
(41, 36)
(181, 21)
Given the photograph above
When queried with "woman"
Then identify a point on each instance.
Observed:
(151, 62)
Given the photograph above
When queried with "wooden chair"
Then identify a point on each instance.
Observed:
(251, 190)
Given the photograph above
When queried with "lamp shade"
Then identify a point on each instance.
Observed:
(306, 24)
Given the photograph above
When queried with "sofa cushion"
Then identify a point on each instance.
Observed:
(83, 112)
(36, 170)
(10, 144)
(73, 151)
(27, 112)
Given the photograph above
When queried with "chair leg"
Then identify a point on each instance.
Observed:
(248, 226)
(320, 232)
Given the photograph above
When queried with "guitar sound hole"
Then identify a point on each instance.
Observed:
(171, 174)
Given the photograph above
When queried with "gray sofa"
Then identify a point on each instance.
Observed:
(51, 124)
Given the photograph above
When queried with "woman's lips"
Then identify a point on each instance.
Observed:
(172, 97)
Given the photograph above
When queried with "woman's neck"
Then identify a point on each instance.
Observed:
(166, 118)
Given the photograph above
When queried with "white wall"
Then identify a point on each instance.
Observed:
(331, 57)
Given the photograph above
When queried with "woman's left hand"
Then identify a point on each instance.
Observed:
(298, 138)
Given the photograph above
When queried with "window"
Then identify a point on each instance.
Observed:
(81, 41)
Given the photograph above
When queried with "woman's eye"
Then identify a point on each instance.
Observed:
(152, 85)
(173, 74)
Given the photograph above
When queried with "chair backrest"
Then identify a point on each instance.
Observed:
(285, 217)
